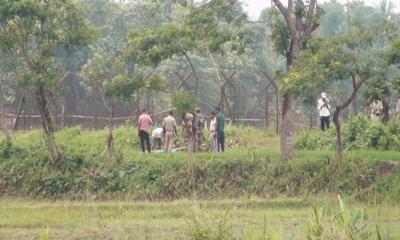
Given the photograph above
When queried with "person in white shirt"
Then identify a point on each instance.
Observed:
(324, 111)
(157, 136)
(213, 133)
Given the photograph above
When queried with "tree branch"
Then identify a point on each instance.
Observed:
(310, 13)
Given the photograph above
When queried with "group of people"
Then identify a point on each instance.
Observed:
(376, 110)
(193, 126)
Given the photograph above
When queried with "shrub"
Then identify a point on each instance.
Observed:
(359, 133)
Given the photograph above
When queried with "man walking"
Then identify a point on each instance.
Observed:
(220, 118)
(169, 128)
(324, 111)
(144, 124)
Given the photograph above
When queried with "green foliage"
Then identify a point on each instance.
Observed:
(314, 230)
(377, 88)
(86, 171)
(184, 102)
(205, 28)
(347, 224)
(351, 58)
(358, 133)
(151, 46)
(203, 226)
(394, 52)
(44, 27)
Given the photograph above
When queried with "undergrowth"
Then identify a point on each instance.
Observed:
(85, 171)
(358, 133)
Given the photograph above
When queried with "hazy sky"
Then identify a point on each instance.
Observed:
(254, 7)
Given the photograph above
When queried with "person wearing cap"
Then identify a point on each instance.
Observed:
(324, 111)
(199, 129)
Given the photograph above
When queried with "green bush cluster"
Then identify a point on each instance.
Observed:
(358, 133)
(86, 173)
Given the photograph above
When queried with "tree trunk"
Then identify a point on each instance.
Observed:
(339, 147)
(2, 128)
(277, 111)
(47, 124)
(110, 139)
(287, 125)
(196, 78)
(62, 125)
(287, 138)
(311, 118)
(266, 107)
(386, 110)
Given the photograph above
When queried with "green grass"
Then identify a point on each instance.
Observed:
(284, 218)
(267, 195)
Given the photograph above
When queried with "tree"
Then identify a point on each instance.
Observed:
(301, 18)
(113, 77)
(32, 31)
(7, 90)
(347, 58)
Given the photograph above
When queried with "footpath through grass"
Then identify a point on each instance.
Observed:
(289, 218)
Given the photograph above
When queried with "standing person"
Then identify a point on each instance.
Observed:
(213, 133)
(220, 119)
(199, 129)
(144, 124)
(324, 111)
(376, 110)
(157, 135)
(169, 129)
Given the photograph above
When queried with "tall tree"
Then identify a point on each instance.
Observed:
(301, 19)
(32, 30)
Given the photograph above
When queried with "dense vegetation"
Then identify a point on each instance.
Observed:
(359, 133)
(27, 170)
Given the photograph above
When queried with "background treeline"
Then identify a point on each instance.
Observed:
(107, 59)
(252, 57)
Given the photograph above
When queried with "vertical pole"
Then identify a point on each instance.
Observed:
(18, 113)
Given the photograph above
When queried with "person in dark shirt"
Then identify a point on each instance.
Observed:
(220, 130)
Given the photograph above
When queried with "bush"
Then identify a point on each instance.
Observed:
(359, 133)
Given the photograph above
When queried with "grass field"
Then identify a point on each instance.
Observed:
(244, 219)
(284, 209)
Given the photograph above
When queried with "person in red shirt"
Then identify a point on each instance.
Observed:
(144, 125)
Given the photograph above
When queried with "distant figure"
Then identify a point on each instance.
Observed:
(199, 129)
(398, 109)
(144, 124)
(169, 130)
(157, 136)
(376, 110)
(213, 133)
(220, 119)
(324, 111)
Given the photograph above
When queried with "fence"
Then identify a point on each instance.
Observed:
(27, 121)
